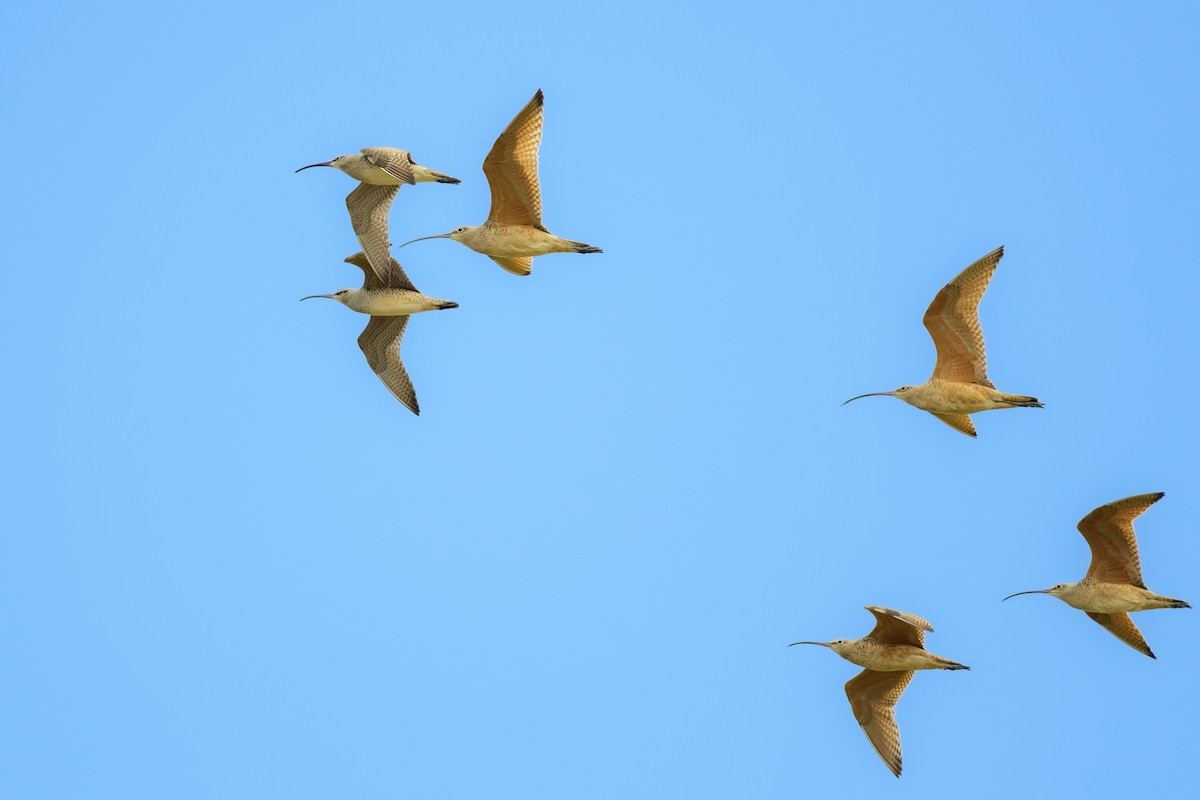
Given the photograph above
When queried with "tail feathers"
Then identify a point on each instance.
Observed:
(443, 305)
(440, 178)
(1021, 401)
(580, 247)
(954, 665)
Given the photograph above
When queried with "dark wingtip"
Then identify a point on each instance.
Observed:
(448, 179)
(539, 97)
(448, 304)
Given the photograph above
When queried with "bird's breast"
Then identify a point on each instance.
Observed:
(393, 303)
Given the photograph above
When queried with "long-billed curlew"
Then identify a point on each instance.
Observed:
(891, 652)
(389, 301)
(1113, 585)
(959, 385)
(382, 171)
(513, 233)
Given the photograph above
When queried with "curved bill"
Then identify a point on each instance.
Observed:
(1031, 591)
(423, 238)
(311, 296)
(322, 164)
(823, 644)
(872, 394)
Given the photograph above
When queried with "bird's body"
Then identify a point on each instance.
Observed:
(959, 385)
(389, 301)
(513, 233)
(889, 657)
(1113, 586)
(381, 172)
(891, 653)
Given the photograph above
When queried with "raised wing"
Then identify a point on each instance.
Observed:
(873, 697)
(1122, 627)
(1109, 532)
(512, 169)
(395, 274)
(896, 627)
(380, 343)
(397, 163)
(953, 321)
(369, 205)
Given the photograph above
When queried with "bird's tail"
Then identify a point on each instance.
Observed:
(945, 663)
(1021, 401)
(580, 247)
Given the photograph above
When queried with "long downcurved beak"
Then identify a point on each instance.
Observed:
(322, 164)
(823, 644)
(423, 238)
(872, 394)
(311, 296)
(1031, 591)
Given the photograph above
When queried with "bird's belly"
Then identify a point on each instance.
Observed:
(1109, 598)
(954, 398)
(396, 303)
(515, 242)
(893, 658)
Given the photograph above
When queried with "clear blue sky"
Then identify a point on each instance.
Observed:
(234, 566)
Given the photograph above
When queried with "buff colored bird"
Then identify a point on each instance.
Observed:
(382, 171)
(959, 385)
(890, 653)
(513, 233)
(390, 301)
(1113, 584)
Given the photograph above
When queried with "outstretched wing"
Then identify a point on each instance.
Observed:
(896, 627)
(1122, 627)
(512, 169)
(397, 163)
(873, 697)
(380, 343)
(953, 321)
(1109, 532)
(369, 205)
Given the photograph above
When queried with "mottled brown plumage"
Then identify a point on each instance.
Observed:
(1113, 585)
(382, 171)
(513, 233)
(959, 385)
(389, 299)
(890, 653)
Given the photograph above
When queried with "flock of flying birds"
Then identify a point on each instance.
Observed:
(513, 234)
(895, 648)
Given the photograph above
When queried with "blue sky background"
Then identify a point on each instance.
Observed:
(234, 566)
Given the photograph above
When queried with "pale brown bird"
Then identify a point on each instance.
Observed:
(390, 301)
(513, 233)
(1113, 585)
(382, 171)
(891, 653)
(959, 385)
